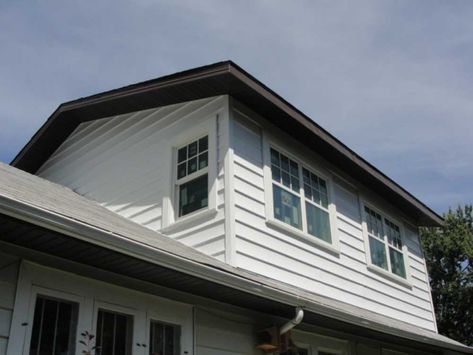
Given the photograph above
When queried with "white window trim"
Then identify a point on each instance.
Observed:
(171, 222)
(55, 294)
(375, 268)
(274, 223)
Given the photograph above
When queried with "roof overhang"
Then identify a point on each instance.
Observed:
(223, 78)
(87, 258)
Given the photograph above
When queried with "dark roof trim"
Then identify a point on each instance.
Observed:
(212, 80)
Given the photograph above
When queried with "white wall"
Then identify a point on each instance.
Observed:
(278, 255)
(124, 163)
(8, 281)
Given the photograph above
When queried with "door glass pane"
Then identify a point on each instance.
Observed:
(163, 339)
(318, 222)
(378, 253)
(397, 262)
(114, 333)
(54, 327)
(287, 207)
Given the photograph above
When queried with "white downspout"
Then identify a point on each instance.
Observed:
(293, 322)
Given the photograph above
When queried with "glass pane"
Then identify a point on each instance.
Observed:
(378, 253)
(294, 169)
(374, 223)
(324, 200)
(276, 173)
(308, 191)
(306, 175)
(286, 207)
(182, 155)
(397, 262)
(192, 165)
(192, 149)
(193, 195)
(54, 327)
(114, 333)
(286, 180)
(181, 170)
(393, 233)
(203, 144)
(295, 185)
(203, 160)
(284, 163)
(318, 222)
(274, 157)
(164, 339)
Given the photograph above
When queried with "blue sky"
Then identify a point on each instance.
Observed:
(391, 79)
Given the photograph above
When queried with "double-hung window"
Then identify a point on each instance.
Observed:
(300, 197)
(192, 176)
(385, 243)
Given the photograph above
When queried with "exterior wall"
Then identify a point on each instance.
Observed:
(207, 327)
(8, 282)
(124, 163)
(277, 254)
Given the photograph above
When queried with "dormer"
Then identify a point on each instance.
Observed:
(216, 160)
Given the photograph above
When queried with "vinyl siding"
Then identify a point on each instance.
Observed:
(222, 333)
(8, 281)
(123, 162)
(344, 277)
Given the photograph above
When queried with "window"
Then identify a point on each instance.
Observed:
(114, 333)
(385, 243)
(164, 338)
(311, 217)
(54, 327)
(192, 176)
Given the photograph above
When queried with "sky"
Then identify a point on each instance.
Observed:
(391, 79)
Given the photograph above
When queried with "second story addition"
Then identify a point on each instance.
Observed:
(216, 160)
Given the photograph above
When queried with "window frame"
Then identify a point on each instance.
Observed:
(171, 221)
(54, 294)
(272, 222)
(366, 235)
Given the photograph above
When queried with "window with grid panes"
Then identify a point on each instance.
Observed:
(385, 243)
(288, 193)
(192, 176)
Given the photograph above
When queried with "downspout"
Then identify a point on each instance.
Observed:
(293, 322)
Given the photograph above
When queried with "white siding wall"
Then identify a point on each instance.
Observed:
(124, 163)
(277, 255)
(8, 280)
(221, 333)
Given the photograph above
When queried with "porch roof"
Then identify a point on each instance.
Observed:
(38, 217)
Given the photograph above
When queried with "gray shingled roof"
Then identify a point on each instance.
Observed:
(32, 193)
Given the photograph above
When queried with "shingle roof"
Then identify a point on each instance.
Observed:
(23, 195)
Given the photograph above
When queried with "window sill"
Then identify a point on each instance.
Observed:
(393, 277)
(190, 220)
(283, 227)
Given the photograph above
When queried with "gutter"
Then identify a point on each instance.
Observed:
(141, 250)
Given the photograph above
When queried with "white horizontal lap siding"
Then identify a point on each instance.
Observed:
(345, 277)
(123, 162)
(218, 333)
(8, 281)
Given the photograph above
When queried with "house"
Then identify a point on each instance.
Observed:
(201, 213)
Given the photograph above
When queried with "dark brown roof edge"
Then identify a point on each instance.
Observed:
(172, 79)
(228, 67)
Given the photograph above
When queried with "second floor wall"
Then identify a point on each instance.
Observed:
(271, 206)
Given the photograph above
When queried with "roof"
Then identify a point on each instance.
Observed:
(223, 78)
(74, 221)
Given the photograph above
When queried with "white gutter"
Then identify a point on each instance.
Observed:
(293, 322)
(125, 245)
